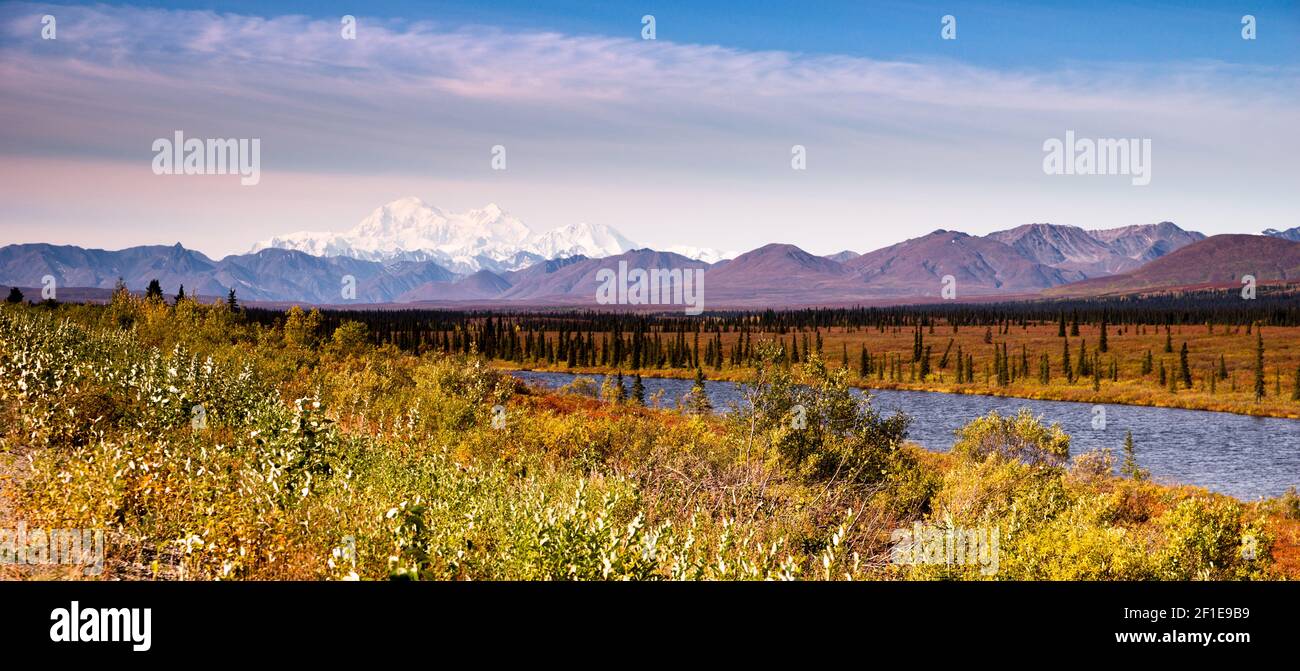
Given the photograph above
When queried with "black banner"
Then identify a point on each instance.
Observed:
(174, 622)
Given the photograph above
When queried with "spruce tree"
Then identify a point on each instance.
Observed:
(15, 295)
(1130, 467)
(638, 390)
(1184, 371)
(154, 292)
(231, 302)
(943, 360)
(1259, 364)
(699, 398)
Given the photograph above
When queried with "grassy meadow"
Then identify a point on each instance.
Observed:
(325, 457)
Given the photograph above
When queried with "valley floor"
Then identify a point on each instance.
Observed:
(209, 447)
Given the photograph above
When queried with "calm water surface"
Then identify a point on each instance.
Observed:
(1246, 457)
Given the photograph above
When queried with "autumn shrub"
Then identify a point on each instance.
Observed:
(1206, 538)
(1288, 504)
(815, 426)
(1021, 437)
(1092, 467)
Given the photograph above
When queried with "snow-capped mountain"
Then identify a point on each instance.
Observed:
(408, 229)
(705, 254)
(591, 240)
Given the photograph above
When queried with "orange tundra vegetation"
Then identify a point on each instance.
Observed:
(323, 457)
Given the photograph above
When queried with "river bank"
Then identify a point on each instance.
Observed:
(1114, 393)
(1242, 456)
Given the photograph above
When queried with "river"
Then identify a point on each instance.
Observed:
(1239, 455)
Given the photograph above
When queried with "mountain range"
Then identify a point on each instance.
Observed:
(268, 275)
(1097, 252)
(1292, 234)
(409, 252)
(1221, 260)
(487, 238)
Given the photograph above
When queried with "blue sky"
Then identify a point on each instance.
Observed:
(684, 140)
(999, 34)
(1002, 34)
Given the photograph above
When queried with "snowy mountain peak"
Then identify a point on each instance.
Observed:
(705, 254)
(486, 238)
(591, 240)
